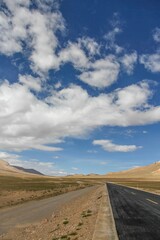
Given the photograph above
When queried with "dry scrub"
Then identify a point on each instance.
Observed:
(19, 190)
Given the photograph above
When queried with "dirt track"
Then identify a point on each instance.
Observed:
(36, 210)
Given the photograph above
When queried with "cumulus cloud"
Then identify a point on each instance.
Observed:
(110, 38)
(74, 54)
(9, 156)
(32, 31)
(27, 122)
(30, 82)
(24, 27)
(151, 62)
(90, 45)
(79, 53)
(125, 98)
(128, 62)
(102, 73)
(156, 34)
(109, 146)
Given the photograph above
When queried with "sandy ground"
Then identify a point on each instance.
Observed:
(75, 220)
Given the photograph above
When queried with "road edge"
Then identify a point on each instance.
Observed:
(105, 228)
(139, 189)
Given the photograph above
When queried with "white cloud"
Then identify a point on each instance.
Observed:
(110, 38)
(60, 173)
(103, 73)
(27, 122)
(30, 82)
(151, 62)
(74, 54)
(128, 61)
(90, 45)
(79, 53)
(109, 146)
(58, 85)
(9, 156)
(125, 98)
(44, 41)
(34, 29)
(156, 34)
(75, 168)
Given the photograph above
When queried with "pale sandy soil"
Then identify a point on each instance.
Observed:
(74, 221)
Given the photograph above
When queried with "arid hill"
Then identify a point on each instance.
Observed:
(7, 170)
(28, 170)
(151, 171)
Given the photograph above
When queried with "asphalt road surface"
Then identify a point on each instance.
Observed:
(136, 213)
(36, 210)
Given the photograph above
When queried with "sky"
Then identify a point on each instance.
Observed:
(79, 84)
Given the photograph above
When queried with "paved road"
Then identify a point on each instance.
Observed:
(136, 213)
(36, 210)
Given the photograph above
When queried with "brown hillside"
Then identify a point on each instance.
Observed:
(7, 170)
(150, 171)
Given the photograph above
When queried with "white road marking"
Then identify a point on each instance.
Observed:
(151, 201)
(133, 193)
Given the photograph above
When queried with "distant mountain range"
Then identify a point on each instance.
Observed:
(28, 170)
(9, 170)
(151, 171)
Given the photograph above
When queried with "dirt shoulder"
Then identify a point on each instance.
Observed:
(75, 220)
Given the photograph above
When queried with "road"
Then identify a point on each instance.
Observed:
(136, 213)
(36, 210)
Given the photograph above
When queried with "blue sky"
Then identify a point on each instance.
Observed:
(79, 84)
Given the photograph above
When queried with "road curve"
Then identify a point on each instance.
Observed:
(136, 213)
(36, 210)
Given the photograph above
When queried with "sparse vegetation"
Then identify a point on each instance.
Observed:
(15, 190)
(65, 237)
(80, 224)
(65, 221)
(73, 234)
(87, 213)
